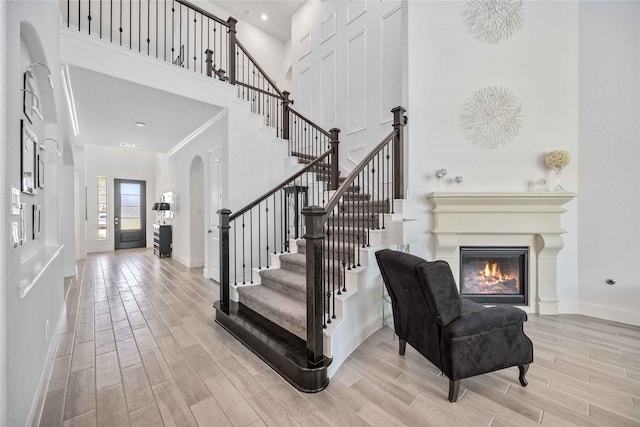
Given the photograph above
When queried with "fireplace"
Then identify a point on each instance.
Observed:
(494, 275)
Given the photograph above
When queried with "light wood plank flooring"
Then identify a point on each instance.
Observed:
(139, 346)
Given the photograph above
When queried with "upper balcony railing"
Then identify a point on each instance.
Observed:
(190, 37)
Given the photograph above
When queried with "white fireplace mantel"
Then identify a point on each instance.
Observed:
(505, 219)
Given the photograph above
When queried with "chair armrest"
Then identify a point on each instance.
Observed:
(484, 320)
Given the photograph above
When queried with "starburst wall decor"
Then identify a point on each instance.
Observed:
(493, 20)
(492, 117)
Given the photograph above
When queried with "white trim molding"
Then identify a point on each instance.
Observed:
(505, 219)
(615, 314)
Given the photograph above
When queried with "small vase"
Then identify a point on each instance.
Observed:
(558, 171)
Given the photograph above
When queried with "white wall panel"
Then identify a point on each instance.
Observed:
(304, 45)
(391, 62)
(305, 90)
(328, 27)
(355, 8)
(357, 82)
(328, 91)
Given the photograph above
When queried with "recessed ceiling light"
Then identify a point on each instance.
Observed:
(264, 17)
(140, 124)
(125, 144)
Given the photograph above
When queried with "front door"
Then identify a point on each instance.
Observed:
(129, 219)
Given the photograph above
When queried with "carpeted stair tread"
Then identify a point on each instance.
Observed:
(290, 283)
(296, 263)
(289, 313)
(378, 206)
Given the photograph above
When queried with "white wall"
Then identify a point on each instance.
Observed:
(3, 217)
(173, 174)
(609, 228)
(196, 211)
(351, 79)
(29, 31)
(116, 163)
(446, 65)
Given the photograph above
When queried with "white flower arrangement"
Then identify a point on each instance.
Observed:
(557, 159)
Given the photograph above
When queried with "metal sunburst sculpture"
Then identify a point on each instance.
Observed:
(492, 117)
(493, 20)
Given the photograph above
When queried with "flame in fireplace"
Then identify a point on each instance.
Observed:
(492, 273)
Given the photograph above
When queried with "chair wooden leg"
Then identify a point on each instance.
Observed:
(523, 371)
(403, 346)
(454, 388)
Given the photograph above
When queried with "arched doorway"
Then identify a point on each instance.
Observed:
(196, 212)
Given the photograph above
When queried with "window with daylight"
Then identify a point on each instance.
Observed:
(102, 207)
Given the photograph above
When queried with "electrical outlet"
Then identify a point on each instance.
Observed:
(46, 330)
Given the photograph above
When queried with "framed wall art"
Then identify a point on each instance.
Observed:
(27, 98)
(28, 159)
(40, 171)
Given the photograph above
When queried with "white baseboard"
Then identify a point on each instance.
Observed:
(615, 314)
(68, 272)
(180, 260)
(37, 405)
(188, 264)
(197, 263)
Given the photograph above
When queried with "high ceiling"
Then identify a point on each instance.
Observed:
(279, 14)
(107, 108)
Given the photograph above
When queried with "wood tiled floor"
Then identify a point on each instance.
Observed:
(139, 346)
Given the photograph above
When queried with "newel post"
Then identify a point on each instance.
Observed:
(285, 114)
(209, 62)
(399, 122)
(314, 238)
(224, 257)
(232, 49)
(335, 165)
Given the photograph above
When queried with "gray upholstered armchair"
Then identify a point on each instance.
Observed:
(460, 337)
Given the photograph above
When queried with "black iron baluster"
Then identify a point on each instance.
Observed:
(244, 265)
(130, 24)
(68, 12)
(266, 224)
(259, 241)
(251, 245)
(139, 26)
(173, 30)
(100, 18)
(368, 204)
(157, 40)
(111, 21)
(79, 7)
(89, 17)
(389, 187)
(275, 232)
(378, 187)
(201, 41)
(148, 26)
(120, 22)
(235, 254)
(164, 34)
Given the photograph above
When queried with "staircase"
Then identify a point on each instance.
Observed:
(282, 296)
(298, 284)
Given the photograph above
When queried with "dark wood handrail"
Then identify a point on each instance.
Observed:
(202, 11)
(279, 186)
(257, 89)
(324, 132)
(255, 63)
(335, 198)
